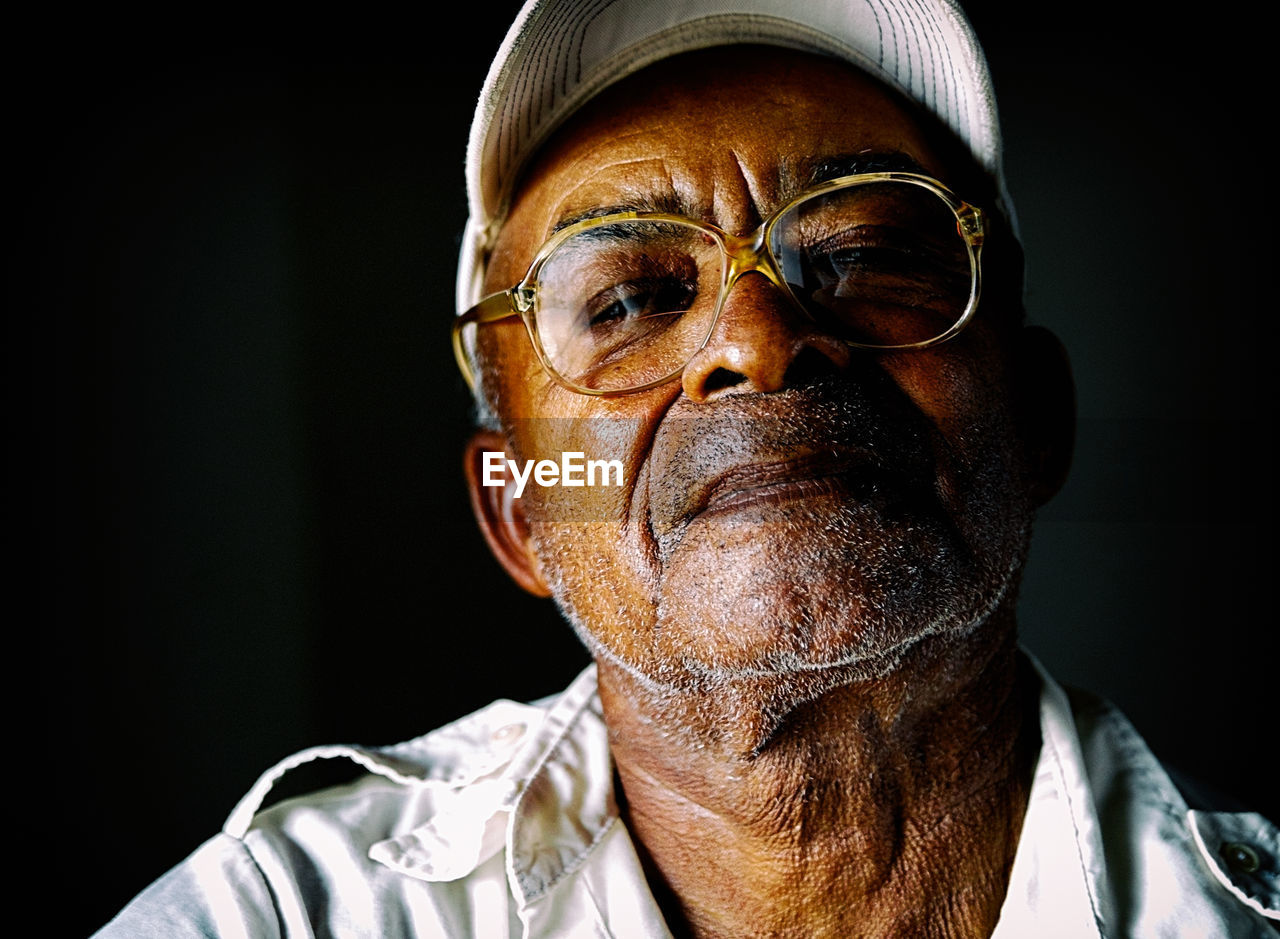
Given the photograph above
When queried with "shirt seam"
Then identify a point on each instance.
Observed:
(266, 881)
(551, 746)
(601, 926)
(574, 862)
(1078, 837)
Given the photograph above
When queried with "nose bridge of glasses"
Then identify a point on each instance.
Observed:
(747, 253)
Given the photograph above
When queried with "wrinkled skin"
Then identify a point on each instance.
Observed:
(801, 600)
(859, 501)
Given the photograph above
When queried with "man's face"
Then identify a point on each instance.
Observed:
(790, 506)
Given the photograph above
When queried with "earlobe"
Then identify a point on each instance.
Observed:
(500, 516)
(1045, 401)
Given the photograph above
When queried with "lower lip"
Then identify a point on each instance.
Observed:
(790, 490)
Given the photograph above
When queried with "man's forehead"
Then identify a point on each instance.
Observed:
(672, 137)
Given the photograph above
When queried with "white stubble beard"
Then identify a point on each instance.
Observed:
(746, 646)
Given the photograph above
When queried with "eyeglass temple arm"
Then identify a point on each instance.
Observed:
(495, 307)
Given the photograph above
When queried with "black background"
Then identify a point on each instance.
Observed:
(239, 518)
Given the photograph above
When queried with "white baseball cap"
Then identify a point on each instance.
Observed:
(560, 53)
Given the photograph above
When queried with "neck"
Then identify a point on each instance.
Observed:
(886, 806)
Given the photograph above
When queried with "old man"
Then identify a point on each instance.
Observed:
(758, 258)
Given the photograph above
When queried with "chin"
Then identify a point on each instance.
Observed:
(808, 598)
(823, 586)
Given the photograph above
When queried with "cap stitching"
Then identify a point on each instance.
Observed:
(928, 49)
(893, 38)
(953, 77)
(582, 34)
(908, 29)
(903, 49)
(879, 32)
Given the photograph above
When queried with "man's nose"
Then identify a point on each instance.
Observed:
(762, 342)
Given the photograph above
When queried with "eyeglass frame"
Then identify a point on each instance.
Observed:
(744, 254)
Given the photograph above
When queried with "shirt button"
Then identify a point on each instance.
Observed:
(1240, 857)
(507, 735)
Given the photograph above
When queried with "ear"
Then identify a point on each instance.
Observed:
(1045, 404)
(500, 516)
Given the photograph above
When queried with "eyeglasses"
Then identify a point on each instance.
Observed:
(623, 302)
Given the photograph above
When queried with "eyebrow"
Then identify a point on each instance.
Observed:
(797, 175)
(668, 203)
(794, 177)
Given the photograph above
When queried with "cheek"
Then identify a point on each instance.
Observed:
(951, 387)
(513, 378)
(590, 526)
(964, 395)
(593, 540)
(585, 469)
(597, 559)
(963, 391)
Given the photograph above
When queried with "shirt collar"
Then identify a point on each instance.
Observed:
(538, 780)
(1058, 868)
(535, 780)
(1160, 869)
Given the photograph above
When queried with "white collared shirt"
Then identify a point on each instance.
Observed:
(504, 824)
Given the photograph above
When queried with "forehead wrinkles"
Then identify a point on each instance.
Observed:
(741, 198)
(700, 166)
(712, 184)
(682, 139)
(718, 186)
(561, 186)
(644, 183)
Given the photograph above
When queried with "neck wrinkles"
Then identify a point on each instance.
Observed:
(896, 803)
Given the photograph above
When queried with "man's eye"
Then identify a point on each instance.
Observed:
(637, 300)
(901, 264)
(854, 261)
(862, 261)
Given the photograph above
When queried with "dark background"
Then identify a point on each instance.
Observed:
(240, 523)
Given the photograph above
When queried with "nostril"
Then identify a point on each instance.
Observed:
(808, 365)
(719, 379)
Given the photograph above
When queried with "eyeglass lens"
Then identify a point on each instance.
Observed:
(627, 303)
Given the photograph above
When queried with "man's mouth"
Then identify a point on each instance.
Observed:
(826, 440)
(838, 474)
